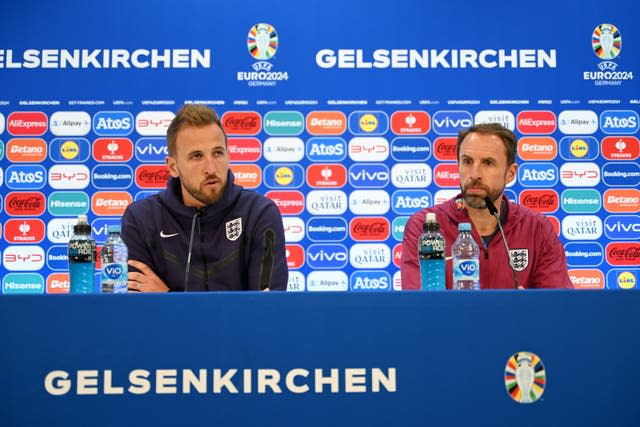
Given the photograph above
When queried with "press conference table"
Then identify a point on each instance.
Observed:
(319, 359)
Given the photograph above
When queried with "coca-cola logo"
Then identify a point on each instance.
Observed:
(623, 253)
(25, 204)
(368, 229)
(241, 123)
(157, 176)
(445, 148)
(540, 200)
(152, 176)
(628, 254)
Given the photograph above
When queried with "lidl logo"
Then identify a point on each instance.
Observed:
(113, 123)
(247, 176)
(545, 201)
(327, 256)
(583, 200)
(536, 122)
(25, 177)
(110, 203)
(537, 148)
(285, 123)
(288, 202)
(364, 149)
(370, 280)
(407, 202)
(295, 256)
(241, 122)
(326, 176)
(619, 278)
(69, 150)
(26, 150)
(586, 279)
(284, 176)
(584, 254)
(24, 231)
(116, 150)
(283, 149)
(244, 149)
(620, 148)
(149, 150)
(326, 123)
(538, 174)
(623, 253)
(621, 174)
(445, 148)
(327, 229)
(57, 257)
(397, 227)
(451, 122)
(68, 203)
(410, 149)
(368, 122)
(369, 175)
(410, 122)
(326, 149)
(22, 283)
(27, 123)
(622, 227)
(578, 148)
(152, 176)
(619, 122)
(70, 123)
(578, 122)
(622, 200)
(112, 176)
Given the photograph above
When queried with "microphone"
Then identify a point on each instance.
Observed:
(188, 267)
(493, 211)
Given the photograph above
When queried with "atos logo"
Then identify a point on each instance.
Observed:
(622, 201)
(244, 149)
(545, 201)
(27, 123)
(411, 175)
(371, 175)
(538, 175)
(327, 256)
(152, 176)
(326, 123)
(327, 229)
(369, 202)
(407, 202)
(69, 177)
(618, 278)
(326, 176)
(536, 122)
(26, 150)
(295, 282)
(620, 148)
(621, 174)
(107, 203)
(375, 229)
(23, 258)
(326, 149)
(25, 204)
(363, 149)
(582, 227)
(112, 176)
(284, 176)
(586, 279)
(58, 283)
(370, 255)
(241, 122)
(151, 150)
(247, 176)
(622, 227)
(370, 280)
(60, 230)
(537, 148)
(326, 202)
(288, 202)
(578, 122)
(584, 254)
(368, 123)
(582, 148)
(114, 149)
(410, 122)
(99, 228)
(24, 231)
(579, 174)
(57, 257)
(293, 229)
(619, 253)
(581, 200)
(446, 175)
(70, 123)
(113, 123)
(153, 123)
(451, 122)
(319, 281)
(445, 149)
(410, 149)
(25, 177)
(283, 149)
(616, 122)
(69, 150)
(22, 283)
(295, 256)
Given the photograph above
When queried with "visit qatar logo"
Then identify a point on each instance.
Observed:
(525, 377)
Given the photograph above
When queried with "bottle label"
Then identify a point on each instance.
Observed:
(82, 251)
(431, 247)
(466, 269)
(114, 272)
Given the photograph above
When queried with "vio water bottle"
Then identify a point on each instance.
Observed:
(114, 262)
(466, 263)
(82, 258)
(431, 253)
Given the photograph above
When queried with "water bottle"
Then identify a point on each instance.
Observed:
(82, 258)
(466, 263)
(431, 253)
(114, 262)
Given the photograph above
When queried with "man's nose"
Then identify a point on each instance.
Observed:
(210, 165)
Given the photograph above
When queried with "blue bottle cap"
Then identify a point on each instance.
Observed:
(464, 226)
(113, 229)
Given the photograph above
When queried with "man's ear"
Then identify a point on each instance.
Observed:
(171, 164)
(512, 171)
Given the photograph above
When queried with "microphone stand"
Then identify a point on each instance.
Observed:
(493, 211)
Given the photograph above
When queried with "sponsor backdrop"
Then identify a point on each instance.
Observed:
(344, 114)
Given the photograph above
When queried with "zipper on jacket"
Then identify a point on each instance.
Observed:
(486, 249)
(202, 251)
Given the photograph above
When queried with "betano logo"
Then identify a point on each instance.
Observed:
(537, 148)
(244, 149)
(536, 122)
(586, 279)
(248, 176)
(113, 150)
(620, 148)
(31, 150)
(27, 123)
(545, 201)
(241, 122)
(288, 202)
(622, 200)
(58, 283)
(152, 176)
(110, 203)
(410, 122)
(24, 231)
(295, 256)
(445, 148)
(25, 203)
(326, 123)
(446, 175)
(326, 176)
(369, 229)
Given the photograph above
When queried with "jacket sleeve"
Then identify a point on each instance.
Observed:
(268, 260)
(409, 267)
(133, 236)
(551, 263)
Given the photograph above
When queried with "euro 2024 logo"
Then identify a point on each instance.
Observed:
(262, 44)
(606, 42)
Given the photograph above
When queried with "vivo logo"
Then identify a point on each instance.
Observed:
(151, 150)
(375, 175)
(451, 122)
(622, 227)
(327, 256)
(99, 228)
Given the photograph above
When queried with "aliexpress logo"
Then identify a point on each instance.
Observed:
(288, 202)
(623, 253)
(110, 203)
(24, 231)
(587, 279)
(33, 150)
(445, 148)
(622, 200)
(241, 122)
(537, 148)
(28, 123)
(555, 222)
(620, 148)
(326, 176)
(410, 122)
(248, 176)
(244, 149)
(369, 229)
(295, 256)
(58, 283)
(536, 122)
(25, 204)
(546, 201)
(152, 176)
(446, 175)
(397, 254)
(113, 149)
(326, 123)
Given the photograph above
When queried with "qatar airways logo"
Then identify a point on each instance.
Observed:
(504, 117)
(60, 230)
(326, 202)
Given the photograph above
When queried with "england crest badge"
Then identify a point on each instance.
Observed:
(234, 228)
(519, 258)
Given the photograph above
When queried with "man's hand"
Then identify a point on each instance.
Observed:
(146, 280)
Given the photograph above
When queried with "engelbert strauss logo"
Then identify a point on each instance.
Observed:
(525, 377)
(606, 42)
(262, 43)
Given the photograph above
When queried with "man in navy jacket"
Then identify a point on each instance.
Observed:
(203, 232)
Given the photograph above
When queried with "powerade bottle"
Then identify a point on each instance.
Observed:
(82, 258)
(466, 263)
(431, 253)
(114, 262)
